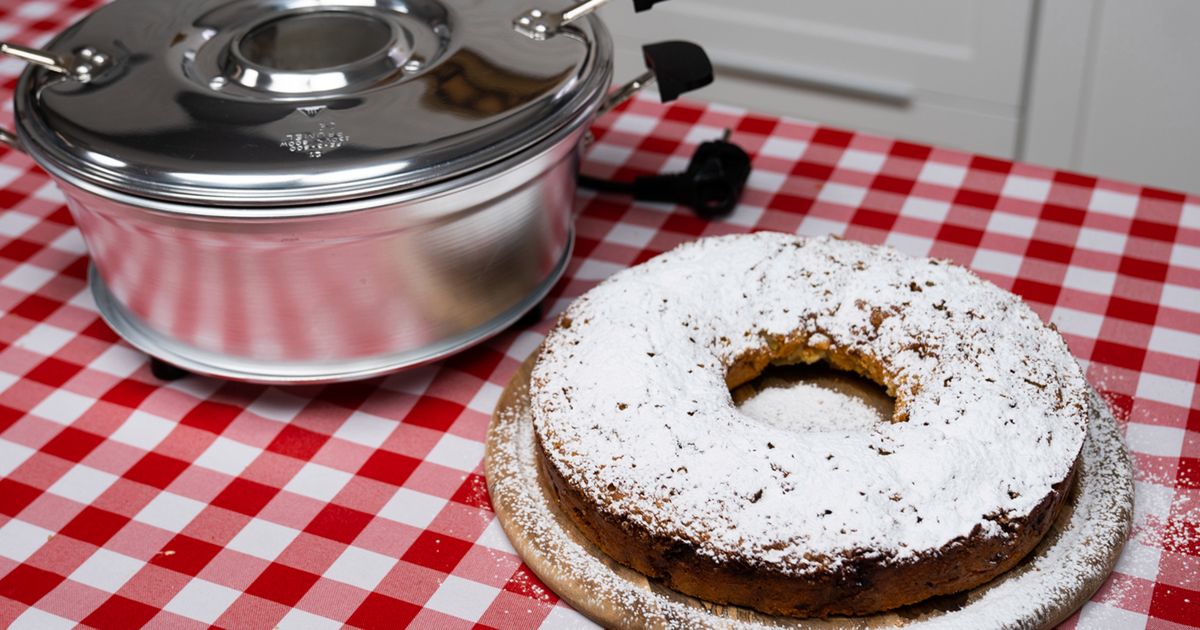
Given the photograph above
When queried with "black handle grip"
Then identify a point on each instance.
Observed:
(644, 5)
(678, 67)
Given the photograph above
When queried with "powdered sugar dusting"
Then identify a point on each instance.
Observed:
(632, 398)
(1074, 560)
(1058, 576)
(807, 408)
(1177, 530)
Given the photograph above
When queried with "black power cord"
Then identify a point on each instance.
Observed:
(711, 186)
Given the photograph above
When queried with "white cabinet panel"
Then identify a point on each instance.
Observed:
(945, 71)
(1143, 117)
(1116, 90)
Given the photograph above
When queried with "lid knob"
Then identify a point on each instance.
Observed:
(313, 51)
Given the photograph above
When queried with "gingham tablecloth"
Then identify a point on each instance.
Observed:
(125, 501)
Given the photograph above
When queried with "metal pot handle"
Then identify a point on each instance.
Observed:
(80, 65)
(538, 24)
(9, 138)
(677, 66)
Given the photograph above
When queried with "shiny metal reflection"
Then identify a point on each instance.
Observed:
(278, 103)
(336, 296)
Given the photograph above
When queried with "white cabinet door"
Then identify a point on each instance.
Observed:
(1116, 90)
(943, 71)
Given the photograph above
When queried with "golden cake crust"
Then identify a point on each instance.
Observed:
(859, 588)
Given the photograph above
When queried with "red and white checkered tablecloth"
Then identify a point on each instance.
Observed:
(125, 501)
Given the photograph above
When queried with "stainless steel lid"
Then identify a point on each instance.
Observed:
(273, 102)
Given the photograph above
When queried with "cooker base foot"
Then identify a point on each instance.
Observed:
(164, 371)
(532, 316)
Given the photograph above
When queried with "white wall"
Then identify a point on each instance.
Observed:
(943, 71)
(1116, 90)
(1110, 87)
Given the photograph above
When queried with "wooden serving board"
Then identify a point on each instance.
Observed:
(1059, 576)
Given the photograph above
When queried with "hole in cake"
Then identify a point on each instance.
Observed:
(814, 398)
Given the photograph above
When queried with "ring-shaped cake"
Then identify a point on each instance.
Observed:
(641, 442)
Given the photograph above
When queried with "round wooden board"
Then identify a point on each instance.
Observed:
(1055, 580)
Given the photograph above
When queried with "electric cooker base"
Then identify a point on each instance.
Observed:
(194, 360)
